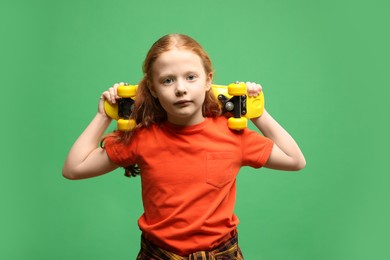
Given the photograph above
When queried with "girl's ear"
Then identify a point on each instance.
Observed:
(209, 80)
(153, 92)
(149, 85)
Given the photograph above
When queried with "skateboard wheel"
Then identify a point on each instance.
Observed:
(237, 89)
(111, 110)
(127, 91)
(126, 125)
(237, 123)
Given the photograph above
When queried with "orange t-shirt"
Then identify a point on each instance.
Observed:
(189, 179)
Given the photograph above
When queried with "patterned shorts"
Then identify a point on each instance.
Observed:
(224, 251)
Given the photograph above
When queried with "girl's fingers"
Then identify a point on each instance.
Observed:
(253, 89)
(111, 94)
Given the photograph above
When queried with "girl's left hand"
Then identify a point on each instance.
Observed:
(253, 89)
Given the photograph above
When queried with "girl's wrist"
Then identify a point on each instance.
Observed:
(262, 116)
(103, 117)
(261, 122)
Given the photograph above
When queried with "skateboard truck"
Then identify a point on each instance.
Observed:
(228, 105)
(236, 105)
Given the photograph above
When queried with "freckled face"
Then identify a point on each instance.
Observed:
(180, 83)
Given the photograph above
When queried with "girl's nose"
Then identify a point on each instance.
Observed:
(180, 88)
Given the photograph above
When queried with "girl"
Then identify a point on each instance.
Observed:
(186, 155)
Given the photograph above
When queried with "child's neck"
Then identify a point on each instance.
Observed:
(186, 121)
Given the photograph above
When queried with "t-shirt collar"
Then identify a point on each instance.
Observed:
(191, 129)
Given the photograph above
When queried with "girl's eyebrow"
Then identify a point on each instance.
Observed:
(168, 75)
(173, 75)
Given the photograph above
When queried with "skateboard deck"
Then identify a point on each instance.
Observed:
(233, 99)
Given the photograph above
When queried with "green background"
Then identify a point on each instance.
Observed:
(322, 65)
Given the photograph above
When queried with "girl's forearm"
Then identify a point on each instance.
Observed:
(274, 131)
(85, 145)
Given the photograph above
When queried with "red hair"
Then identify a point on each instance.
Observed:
(147, 108)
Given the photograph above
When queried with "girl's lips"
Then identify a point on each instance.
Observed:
(182, 102)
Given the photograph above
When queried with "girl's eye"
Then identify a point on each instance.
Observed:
(191, 77)
(167, 81)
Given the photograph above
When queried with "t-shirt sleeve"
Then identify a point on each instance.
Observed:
(122, 154)
(256, 149)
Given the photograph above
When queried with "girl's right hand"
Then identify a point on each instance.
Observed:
(110, 95)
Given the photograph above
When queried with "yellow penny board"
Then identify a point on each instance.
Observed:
(231, 97)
